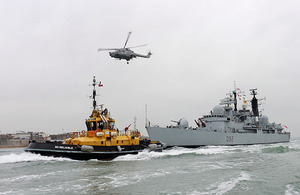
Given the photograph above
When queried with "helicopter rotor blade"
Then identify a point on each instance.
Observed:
(127, 39)
(106, 49)
(138, 46)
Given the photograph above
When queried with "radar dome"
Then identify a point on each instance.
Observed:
(183, 123)
(244, 106)
(218, 110)
(264, 120)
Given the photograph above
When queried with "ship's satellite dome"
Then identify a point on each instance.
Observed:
(264, 120)
(244, 106)
(218, 110)
(183, 123)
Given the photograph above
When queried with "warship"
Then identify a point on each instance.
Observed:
(101, 140)
(225, 125)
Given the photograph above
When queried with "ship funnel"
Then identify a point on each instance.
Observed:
(254, 103)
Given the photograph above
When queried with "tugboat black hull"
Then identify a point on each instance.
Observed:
(58, 149)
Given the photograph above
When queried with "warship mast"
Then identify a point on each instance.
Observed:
(254, 103)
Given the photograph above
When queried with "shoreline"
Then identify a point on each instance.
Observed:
(2, 147)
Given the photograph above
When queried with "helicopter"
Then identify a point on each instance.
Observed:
(125, 53)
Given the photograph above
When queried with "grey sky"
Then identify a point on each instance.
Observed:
(49, 56)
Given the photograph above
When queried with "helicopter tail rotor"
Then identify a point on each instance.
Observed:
(149, 54)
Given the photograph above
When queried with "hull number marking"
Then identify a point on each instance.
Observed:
(229, 138)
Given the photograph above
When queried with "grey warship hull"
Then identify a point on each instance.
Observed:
(195, 137)
(225, 125)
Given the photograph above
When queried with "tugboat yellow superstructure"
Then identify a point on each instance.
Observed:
(101, 140)
(101, 132)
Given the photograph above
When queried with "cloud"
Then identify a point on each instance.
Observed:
(49, 56)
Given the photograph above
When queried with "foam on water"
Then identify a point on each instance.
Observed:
(270, 148)
(277, 149)
(212, 150)
(27, 177)
(198, 171)
(223, 187)
(117, 180)
(290, 190)
(207, 150)
(176, 151)
(294, 145)
(27, 157)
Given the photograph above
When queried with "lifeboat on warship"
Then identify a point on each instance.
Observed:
(101, 140)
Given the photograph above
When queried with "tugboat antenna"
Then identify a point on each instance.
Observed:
(146, 119)
(134, 122)
(94, 92)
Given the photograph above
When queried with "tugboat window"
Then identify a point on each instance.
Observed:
(88, 126)
(100, 125)
(111, 125)
(93, 124)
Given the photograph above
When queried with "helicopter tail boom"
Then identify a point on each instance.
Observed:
(144, 56)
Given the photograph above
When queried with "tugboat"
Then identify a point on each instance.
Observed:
(100, 141)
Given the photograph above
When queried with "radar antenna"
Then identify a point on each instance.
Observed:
(253, 92)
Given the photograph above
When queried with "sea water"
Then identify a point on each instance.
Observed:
(254, 169)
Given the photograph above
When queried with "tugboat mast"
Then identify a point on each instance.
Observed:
(94, 92)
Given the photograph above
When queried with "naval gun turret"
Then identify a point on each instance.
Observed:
(182, 123)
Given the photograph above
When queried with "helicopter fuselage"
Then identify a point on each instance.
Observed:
(123, 53)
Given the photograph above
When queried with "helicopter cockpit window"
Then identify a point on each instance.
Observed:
(88, 126)
(100, 125)
(93, 124)
(111, 125)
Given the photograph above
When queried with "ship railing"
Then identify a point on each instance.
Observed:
(252, 131)
(284, 132)
(213, 116)
(74, 134)
(84, 133)
(128, 132)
